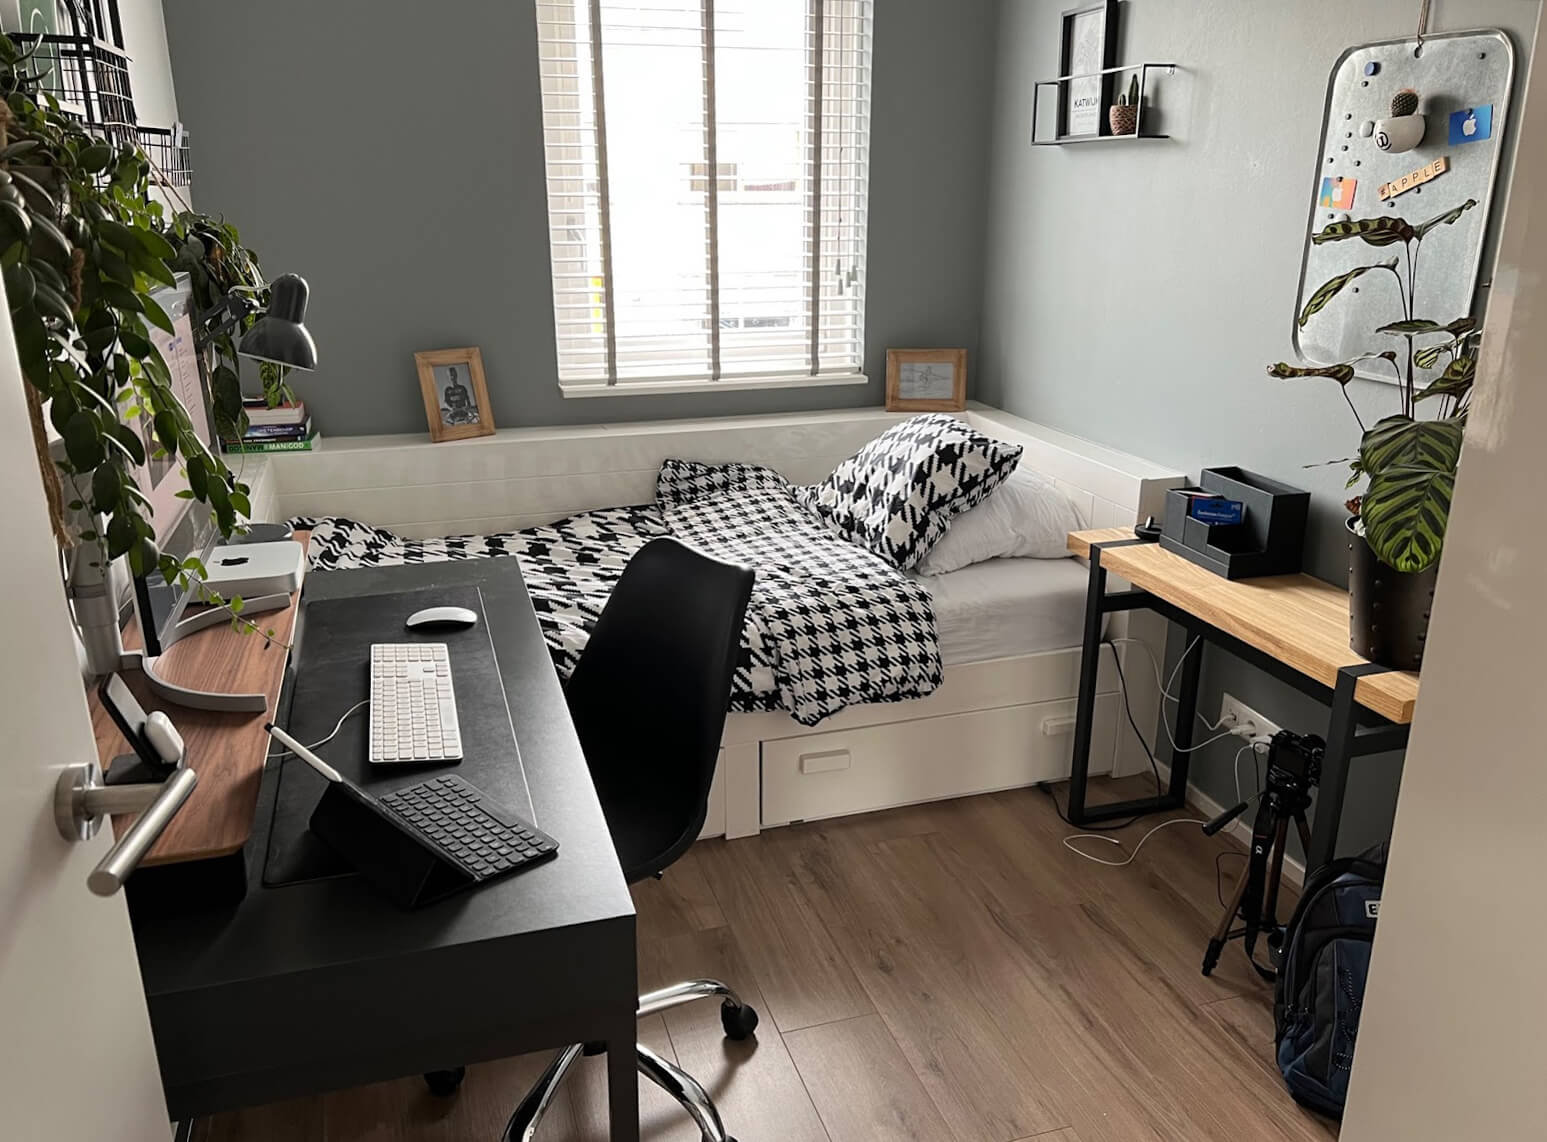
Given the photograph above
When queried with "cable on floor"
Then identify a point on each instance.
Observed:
(1131, 857)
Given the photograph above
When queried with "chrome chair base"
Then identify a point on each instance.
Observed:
(738, 1019)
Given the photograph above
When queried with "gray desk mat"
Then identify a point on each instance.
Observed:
(333, 673)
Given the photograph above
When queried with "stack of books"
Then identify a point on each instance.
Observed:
(283, 428)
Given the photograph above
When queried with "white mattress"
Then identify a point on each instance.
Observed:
(1002, 608)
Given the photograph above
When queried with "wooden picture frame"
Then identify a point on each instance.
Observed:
(439, 371)
(1104, 15)
(914, 382)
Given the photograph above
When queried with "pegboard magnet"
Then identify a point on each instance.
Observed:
(1337, 193)
(1396, 136)
(1372, 68)
(1413, 179)
(1472, 125)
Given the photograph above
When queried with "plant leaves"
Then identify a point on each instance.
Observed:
(96, 157)
(1429, 356)
(1406, 511)
(1401, 442)
(82, 440)
(1445, 219)
(158, 316)
(1331, 288)
(1461, 325)
(1385, 230)
(1342, 374)
(1455, 381)
(1410, 328)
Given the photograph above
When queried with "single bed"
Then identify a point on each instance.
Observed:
(1009, 630)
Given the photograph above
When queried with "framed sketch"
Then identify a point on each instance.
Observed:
(456, 400)
(1088, 44)
(926, 380)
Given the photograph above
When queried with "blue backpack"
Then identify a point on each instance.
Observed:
(1320, 986)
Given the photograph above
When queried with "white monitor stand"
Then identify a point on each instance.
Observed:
(96, 614)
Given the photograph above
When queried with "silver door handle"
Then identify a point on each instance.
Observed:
(82, 799)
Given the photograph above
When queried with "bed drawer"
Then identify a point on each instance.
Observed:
(876, 767)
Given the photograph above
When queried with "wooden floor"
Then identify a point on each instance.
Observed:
(940, 973)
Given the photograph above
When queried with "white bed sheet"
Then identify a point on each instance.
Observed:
(1002, 608)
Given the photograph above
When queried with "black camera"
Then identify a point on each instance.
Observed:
(1294, 760)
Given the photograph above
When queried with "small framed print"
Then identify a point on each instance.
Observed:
(926, 380)
(456, 399)
(1088, 44)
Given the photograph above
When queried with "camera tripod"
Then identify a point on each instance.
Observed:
(1294, 767)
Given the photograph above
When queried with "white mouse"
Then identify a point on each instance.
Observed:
(441, 616)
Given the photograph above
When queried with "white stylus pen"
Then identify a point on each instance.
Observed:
(302, 752)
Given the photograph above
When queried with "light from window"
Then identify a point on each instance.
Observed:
(662, 273)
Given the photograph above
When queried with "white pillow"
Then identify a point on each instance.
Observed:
(1025, 517)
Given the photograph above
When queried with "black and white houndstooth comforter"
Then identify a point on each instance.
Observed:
(830, 625)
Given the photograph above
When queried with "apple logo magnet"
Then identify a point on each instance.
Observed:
(1472, 125)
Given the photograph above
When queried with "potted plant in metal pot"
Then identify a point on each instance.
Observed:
(1407, 460)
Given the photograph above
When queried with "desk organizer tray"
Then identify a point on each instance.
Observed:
(332, 673)
(1268, 541)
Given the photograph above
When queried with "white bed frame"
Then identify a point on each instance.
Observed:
(1001, 724)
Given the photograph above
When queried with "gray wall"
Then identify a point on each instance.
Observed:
(391, 152)
(1133, 295)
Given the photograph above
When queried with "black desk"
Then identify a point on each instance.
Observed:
(324, 985)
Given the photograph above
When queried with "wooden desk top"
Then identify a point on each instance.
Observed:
(227, 750)
(1297, 619)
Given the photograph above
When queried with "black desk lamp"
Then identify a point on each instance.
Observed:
(279, 335)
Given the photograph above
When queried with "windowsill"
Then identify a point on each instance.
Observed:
(729, 384)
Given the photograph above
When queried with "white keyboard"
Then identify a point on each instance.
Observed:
(413, 707)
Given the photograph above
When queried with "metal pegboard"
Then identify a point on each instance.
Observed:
(1454, 71)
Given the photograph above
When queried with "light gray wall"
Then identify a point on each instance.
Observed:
(1134, 294)
(391, 152)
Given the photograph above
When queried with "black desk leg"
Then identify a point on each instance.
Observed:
(1085, 705)
(623, 1083)
(1342, 745)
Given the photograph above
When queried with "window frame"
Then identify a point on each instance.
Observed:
(849, 368)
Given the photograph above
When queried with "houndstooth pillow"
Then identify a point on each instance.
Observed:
(897, 495)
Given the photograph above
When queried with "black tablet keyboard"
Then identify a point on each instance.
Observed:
(485, 838)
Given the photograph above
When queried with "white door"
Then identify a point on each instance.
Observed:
(76, 1059)
(1451, 1042)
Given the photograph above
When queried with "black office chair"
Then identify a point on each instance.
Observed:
(648, 699)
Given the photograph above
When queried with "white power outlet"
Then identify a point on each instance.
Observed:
(1234, 712)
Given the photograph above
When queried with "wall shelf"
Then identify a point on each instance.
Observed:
(1097, 139)
(1056, 140)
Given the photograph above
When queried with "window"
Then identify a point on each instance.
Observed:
(664, 276)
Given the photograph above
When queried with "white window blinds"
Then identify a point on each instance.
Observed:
(706, 165)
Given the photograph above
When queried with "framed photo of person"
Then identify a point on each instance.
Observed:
(926, 380)
(456, 400)
(1088, 43)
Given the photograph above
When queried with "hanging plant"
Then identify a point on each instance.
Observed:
(83, 246)
(224, 275)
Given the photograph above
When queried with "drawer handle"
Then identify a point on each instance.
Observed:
(1057, 727)
(829, 762)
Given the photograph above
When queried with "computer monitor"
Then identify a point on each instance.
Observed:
(184, 527)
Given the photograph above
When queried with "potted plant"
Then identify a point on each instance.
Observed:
(83, 247)
(1408, 460)
(1124, 114)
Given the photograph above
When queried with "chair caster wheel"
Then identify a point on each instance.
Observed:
(739, 1022)
(444, 1084)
